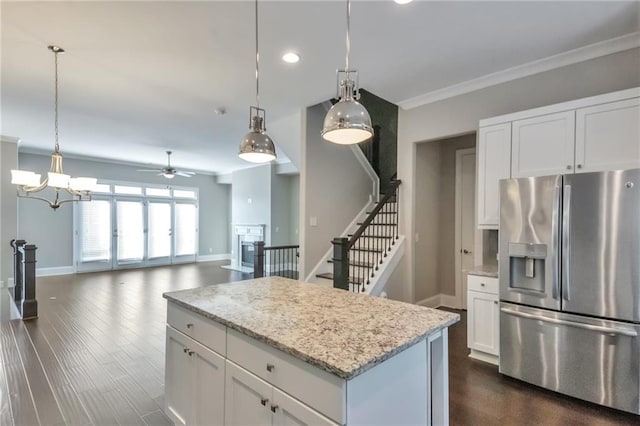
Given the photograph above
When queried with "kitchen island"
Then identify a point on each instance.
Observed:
(279, 351)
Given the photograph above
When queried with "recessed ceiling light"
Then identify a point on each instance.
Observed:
(291, 57)
(403, 1)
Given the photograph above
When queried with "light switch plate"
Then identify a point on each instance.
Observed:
(313, 221)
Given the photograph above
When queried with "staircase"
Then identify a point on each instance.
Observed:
(364, 260)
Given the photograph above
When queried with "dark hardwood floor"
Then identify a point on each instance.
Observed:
(95, 355)
(479, 395)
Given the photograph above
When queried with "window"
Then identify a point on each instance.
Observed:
(158, 192)
(180, 193)
(127, 190)
(185, 227)
(95, 231)
(102, 188)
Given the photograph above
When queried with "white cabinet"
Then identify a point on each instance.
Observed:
(252, 401)
(483, 314)
(194, 382)
(608, 136)
(494, 163)
(543, 145)
(599, 133)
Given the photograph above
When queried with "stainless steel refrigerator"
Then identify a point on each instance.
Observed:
(569, 250)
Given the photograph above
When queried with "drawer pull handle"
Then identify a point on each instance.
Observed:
(482, 284)
(274, 408)
(189, 325)
(270, 367)
(495, 302)
(264, 401)
(185, 350)
(191, 353)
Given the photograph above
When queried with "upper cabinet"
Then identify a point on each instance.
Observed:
(494, 163)
(608, 136)
(544, 145)
(586, 135)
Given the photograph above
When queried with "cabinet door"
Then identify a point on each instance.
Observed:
(543, 145)
(177, 381)
(608, 136)
(247, 398)
(290, 412)
(208, 386)
(494, 163)
(482, 324)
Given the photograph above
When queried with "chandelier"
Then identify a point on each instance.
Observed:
(66, 188)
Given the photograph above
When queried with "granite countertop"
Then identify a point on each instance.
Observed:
(342, 332)
(484, 270)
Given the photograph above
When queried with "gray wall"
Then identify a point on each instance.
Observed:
(251, 197)
(8, 207)
(52, 230)
(335, 188)
(284, 209)
(460, 114)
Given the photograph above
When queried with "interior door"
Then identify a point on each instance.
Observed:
(94, 243)
(129, 232)
(185, 232)
(159, 232)
(466, 234)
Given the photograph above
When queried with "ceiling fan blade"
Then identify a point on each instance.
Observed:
(185, 174)
(148, 170)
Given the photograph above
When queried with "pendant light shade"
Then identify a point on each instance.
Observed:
(257, 146)
(348, 121)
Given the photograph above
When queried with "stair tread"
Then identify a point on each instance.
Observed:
(372, 236)
(384, 224)
(367, 249)
(357, 264)
(384, 212)
(329, 276)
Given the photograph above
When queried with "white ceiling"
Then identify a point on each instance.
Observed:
(142, 77)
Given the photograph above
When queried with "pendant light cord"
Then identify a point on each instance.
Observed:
(257, 62)
(348, 32)
(57, 147)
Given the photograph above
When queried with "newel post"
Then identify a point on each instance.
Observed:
(18, 294)
(341, 263)
(258, 259)
(29, 304)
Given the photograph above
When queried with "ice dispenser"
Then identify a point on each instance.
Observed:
(527, 266)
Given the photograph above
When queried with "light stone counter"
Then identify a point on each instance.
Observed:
(484, 271)
(339, 331)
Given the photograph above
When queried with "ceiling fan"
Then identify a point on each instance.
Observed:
(169, 172)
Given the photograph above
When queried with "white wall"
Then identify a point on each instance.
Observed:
(52, 231)
(287, 135)
(334, 189)
(8, 206)
(460, 115)
(284, 209)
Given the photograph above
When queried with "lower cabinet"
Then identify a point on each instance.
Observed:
(252, 401)
(194, 382)
(483, 316)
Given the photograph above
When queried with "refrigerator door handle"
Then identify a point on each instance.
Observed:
(566, 241)
(555, 242)
(598, 328)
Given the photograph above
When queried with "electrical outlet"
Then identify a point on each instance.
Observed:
(313, 221)
(210, 250)
(249, 201)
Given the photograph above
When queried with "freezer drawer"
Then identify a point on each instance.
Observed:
(591, 359)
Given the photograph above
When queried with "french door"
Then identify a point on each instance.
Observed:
(120, 232)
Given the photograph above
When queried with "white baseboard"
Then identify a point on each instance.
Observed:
(57, 270)
(439, 300)
(213, 257)
(430, 302)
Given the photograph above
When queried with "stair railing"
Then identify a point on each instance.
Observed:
(357, 258)
(279, 261)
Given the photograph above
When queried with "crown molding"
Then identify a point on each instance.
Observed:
(581, 54)
(9, 139)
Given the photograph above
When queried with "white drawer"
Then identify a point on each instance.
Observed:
(483, 284)
(322, 391)
(208, 332)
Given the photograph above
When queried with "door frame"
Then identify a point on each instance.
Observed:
(460, 297)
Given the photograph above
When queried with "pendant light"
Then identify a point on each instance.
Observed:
(29, 182)
(348, 121)
(257, 146)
